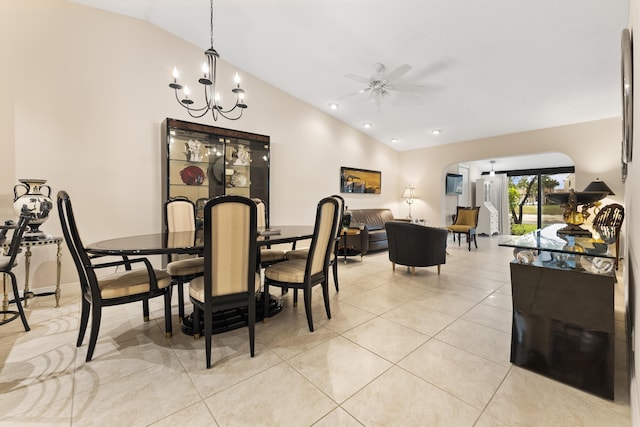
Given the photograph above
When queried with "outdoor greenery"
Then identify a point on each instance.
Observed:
(520, 229)
(525, 190)
(523, 200)
(546, 210)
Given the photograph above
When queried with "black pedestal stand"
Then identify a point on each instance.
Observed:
(228, 320)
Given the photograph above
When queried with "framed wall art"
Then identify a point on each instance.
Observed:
(627, 101)
(354, 180)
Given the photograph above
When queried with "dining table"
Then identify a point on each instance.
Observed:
(192, 243)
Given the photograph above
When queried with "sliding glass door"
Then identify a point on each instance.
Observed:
(528, 206)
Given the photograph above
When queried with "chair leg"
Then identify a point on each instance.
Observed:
(335, 273)
(84, 320)
(439, 265)
(252, 324)
(265, 301)
(393, 266)
(459, 239)
(469, 241)
(208, 330)
(195, 319)
(475, 242)
(307, 307)
(145, 309)
(413, 270)
(180, 289)
(16, 296)
(168, 330)
(96, 315)
(325, 296)
(295, 297)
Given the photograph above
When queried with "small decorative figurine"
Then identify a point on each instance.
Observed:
(243, 156)
(192, 150)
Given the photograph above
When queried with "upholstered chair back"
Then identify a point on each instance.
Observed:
(262, 213)
(467, 216)
(180, 215)
(230, 245)
(325, 232)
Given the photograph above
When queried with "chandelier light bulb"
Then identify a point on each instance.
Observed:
(205, 69)
(186, 91)
(175, 74)
(236, 79)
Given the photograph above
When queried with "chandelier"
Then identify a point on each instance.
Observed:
(211, 95)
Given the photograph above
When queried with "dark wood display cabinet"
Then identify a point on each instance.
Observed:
(201, 162)
(563, 308)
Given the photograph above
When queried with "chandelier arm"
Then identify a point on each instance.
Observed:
(228, 117)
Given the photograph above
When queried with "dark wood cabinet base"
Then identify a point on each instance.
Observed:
(563, 326)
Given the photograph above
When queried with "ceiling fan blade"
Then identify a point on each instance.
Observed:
(361, 91)
(357, 78)
(407, 87)
(398, 72)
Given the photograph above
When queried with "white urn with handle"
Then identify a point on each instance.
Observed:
(29, 197)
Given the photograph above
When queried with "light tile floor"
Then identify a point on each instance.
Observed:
(422, 350)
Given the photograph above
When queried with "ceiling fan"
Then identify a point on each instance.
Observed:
(381, 84)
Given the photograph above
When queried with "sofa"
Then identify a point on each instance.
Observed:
(416, 245)
(373, 235)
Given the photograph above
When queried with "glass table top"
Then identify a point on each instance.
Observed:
(545, 248)
(600, 244)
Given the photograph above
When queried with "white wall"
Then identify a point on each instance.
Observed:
(84, 92)
(593, 146)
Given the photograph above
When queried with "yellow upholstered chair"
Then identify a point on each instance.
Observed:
(466, 222)
(180, 216)
(7, 262)
(305, 273)
(231, 275)
(100, 291)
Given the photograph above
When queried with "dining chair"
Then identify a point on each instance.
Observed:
(7, 262)
(231, 276)
(465, 222)
(313, 270)
(268, 256)
(611, 215)
(100, 291)
(180, 216)
(333, 260)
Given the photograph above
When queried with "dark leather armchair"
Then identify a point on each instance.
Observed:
(415, 245)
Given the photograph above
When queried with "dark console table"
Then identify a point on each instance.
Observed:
(563, 308)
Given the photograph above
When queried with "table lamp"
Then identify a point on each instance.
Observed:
(409, 194)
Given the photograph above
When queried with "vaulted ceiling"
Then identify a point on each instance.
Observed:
(487, 67)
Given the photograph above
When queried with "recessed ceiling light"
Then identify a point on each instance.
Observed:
(394, 140)
(367, 125)
(334, 106)
(436, 131)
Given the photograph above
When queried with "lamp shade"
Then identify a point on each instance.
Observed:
(599, 186)
(408, 193)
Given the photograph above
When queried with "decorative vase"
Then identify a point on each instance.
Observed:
(33, 201)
